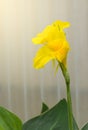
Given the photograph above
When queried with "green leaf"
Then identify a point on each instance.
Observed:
(54, 119)
(85, 127)
(9, 121)
(44, 107)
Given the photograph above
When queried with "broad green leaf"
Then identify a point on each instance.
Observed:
(85, 127)
(54, 119)
(9, 121)
(44, 107)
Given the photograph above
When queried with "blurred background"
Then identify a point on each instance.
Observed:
(22, 88)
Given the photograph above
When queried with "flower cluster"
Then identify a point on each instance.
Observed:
(54, 44)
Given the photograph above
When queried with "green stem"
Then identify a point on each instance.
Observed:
(69, 102)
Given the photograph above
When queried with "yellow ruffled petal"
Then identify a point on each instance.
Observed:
(43, 36)
(55, 45)
(61, 25)
(48, 34)
(38, 40)
(43, 56)
(62, 53)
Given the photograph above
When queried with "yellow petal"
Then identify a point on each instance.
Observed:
(38, 40)
(62, 53)
(61, 24)
(48, 34)
(42, 37)
(43, 56)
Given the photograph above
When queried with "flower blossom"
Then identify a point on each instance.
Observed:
(54, 44)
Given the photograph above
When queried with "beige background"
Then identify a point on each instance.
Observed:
(22, 88)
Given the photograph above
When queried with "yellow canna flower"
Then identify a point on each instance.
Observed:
(55, 45)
